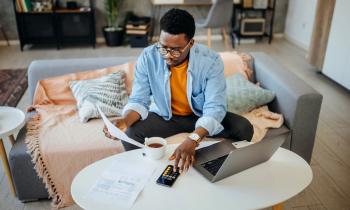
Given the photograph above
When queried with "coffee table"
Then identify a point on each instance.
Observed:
(265, 185)
(11, 121)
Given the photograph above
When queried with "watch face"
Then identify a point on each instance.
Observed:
(194, 136)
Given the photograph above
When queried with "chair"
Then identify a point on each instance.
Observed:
(219, 16)
(4, 35)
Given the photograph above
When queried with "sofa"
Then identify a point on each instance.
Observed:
(298, 102)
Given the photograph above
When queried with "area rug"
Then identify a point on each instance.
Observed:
(13, 84)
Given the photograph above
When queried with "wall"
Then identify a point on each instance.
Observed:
(140, 7)
(337, 59)
(300, 20)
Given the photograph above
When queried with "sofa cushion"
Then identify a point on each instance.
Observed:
(235, 62)
(107, 92)
(243, 96)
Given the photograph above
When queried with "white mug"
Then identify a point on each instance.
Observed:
(155, 152)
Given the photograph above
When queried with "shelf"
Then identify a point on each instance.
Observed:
(80, 10)
(253, 9)
(58, 27)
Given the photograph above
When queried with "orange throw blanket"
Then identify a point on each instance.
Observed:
(60, 145)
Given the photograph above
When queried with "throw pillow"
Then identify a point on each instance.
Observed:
(244, 96)
(107, 92)
(236, 62)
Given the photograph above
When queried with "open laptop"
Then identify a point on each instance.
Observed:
(222, 159)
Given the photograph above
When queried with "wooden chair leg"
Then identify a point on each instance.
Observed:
(12, 139)
(5, 35)
(6, 167)
(209, 37)
(227, 45)
(277, 207)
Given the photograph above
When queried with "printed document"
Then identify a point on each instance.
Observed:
(120, 184)
(116, 132)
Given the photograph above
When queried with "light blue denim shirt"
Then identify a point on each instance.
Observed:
(206, 87)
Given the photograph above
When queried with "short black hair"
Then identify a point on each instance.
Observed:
(178, 21)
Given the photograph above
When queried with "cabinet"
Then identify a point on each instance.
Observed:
(58, 27)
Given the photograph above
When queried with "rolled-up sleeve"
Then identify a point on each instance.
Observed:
(215, 107)
(139, 99)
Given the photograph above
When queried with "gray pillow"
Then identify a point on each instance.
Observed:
(244, 96)
(108, 92)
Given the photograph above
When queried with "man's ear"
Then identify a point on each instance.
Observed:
(192, 42)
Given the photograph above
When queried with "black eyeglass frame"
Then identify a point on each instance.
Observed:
(173, 52)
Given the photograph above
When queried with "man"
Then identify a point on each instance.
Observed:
(187, 84)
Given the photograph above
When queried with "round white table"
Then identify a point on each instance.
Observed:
(11, 121)
(265, 185)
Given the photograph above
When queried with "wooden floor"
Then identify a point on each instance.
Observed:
(330, 188)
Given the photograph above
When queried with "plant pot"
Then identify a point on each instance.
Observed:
(113, 36)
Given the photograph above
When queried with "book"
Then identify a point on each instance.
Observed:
(137, 32)
(28, 5)
(140, 27)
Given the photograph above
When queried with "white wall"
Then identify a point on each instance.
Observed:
(337, 59)
(299, 22)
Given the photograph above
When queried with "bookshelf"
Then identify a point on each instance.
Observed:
(241, 11)
(54, 24)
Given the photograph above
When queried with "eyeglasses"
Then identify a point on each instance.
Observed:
(173, 52)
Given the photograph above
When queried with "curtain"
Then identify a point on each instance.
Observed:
(322, 25)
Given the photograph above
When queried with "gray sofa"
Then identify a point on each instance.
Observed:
(298, 102)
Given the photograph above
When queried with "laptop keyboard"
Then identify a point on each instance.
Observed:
(213, 166)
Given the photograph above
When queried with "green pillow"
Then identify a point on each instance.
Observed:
(244, 96)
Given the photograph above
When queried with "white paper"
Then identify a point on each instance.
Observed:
(206, 144)
(116, 132)
(240, 144)
(120, 184)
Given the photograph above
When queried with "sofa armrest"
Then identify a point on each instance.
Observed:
(41, 69)
(299, 103)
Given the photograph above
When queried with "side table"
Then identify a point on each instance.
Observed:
(11, 121)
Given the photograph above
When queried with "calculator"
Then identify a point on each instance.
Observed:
(168, 177)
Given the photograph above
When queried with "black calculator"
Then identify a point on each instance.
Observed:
(168, 177)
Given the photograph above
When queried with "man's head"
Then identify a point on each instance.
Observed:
(177, 30)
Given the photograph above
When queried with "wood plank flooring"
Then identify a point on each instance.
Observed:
(330, 188)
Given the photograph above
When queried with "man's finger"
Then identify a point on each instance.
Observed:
(177, 160)
(193, 160)
(183, 160)
(187, 163)
(172, 157)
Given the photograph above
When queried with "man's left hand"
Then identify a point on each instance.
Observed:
(184, 155)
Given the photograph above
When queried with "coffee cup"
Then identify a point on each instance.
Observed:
(155, 147)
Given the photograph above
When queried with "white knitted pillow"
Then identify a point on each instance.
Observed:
(107, 92)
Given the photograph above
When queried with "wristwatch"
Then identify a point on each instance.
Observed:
(195, 137)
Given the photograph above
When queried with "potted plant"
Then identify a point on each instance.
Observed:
(113, 33)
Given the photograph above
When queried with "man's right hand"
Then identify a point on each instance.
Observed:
(120, 123)
(123, 123)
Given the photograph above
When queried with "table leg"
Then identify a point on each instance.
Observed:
(277, 206)
(12, 139)
(6, 166)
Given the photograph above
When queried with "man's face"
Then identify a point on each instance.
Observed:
(175, 42)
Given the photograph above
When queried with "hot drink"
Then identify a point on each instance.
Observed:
(155, 145)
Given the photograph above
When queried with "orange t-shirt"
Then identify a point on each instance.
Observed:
(178, 89)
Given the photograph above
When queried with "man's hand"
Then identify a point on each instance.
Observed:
(119, 123)
(123, 122)
(184, 155)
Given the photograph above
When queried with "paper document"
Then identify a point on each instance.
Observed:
(120, 184)
(116, 132)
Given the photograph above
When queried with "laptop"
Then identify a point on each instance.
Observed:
(223, 159)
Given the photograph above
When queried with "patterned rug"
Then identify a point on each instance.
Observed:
(13, 84)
